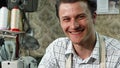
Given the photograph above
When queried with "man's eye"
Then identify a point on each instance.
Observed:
(66, 19)
(80, 17)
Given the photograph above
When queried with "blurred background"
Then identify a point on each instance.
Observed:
(46, 26)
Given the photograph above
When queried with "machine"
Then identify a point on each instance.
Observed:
(10, 41)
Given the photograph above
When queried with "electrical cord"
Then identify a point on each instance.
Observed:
(5, 51)
(8, 45)
(1, 41)
(2, 49)
(26, 21)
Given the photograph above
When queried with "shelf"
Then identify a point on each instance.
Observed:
(6, 36)
(10, 34)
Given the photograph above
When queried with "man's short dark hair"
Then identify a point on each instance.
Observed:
(91, 4)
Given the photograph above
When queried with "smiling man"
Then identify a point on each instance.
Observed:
(83, 47)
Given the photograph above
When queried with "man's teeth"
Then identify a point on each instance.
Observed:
(75, 32)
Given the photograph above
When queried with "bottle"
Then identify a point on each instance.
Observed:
(16, 23)
(4, 18)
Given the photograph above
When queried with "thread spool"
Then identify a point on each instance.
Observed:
(4, 18)
(16, 24)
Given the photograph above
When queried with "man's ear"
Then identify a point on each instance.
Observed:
(94, 17)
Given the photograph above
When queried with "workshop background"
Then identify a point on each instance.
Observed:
(47, 28)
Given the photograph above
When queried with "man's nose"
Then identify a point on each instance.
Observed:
(74, 25)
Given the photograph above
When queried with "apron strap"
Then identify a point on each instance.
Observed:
(102, 53)
(69, 61)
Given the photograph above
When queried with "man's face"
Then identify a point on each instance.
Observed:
(76, 21)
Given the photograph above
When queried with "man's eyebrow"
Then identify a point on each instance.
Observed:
(82, 14)
(64, 17)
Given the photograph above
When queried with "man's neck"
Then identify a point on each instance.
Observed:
(85, 50)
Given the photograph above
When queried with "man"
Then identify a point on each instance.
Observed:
(83, 47)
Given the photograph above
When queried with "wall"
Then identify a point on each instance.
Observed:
(109, 25)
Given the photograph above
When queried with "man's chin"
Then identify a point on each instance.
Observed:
(74, 42)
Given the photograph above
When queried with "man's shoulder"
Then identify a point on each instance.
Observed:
(59, 45)
(112, 43)
(60, 42)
